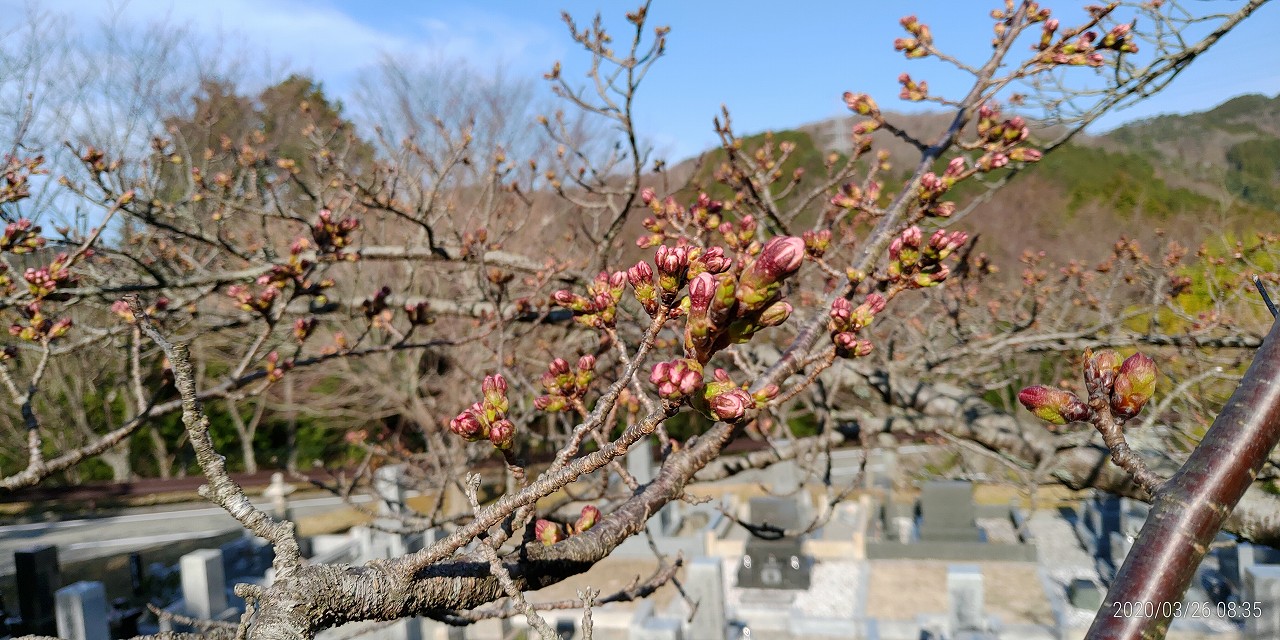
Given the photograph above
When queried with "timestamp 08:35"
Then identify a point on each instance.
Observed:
(1186, 609)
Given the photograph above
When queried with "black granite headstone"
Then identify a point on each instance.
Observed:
(947, 512)
(774, 564)
(37, 577)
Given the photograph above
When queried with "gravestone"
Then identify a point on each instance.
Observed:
(37, 577)
(947, 513)
(204, 585)
(1262, 586)
(882, 469)
(774, 563)
(82, 612)
(704, 585)
(964, 593)
(1084, 594)
(899, 520)
(389, 484)
(640, 460)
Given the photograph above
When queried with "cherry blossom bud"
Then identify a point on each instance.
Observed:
(468, 426)
(502, 434)
(775, 314)
(766, 394)
(730, 404)
(588, 518)
(647, 195)
(861, 104)
(1054, 405)
(547, 532)
(841, 311)
(1100, 371)
(587, 363)
(1134, 386)
(761, 283)
(816, 243)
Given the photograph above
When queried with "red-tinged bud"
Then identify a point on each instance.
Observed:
(861, 104)
(677, 378)
(1100, 371)
(701, 291)
(468, 425)
(640, 274)
(547, 532)
(588, 518)
(761, 282)
(931, 185)
(865, 127)
(846, 343)
(841, 312)
(942, 210)
(1023, 154)
(955, 168)
(1054, 405)
(817, 242)
(571, 301)
(587, 363)
(766, 394)
(1134, 386)
(647, 195)
(775, 314)
(911, 237)
(302, 328)
(502, 434)
(672, 261)
(711, 260)
(731, 404)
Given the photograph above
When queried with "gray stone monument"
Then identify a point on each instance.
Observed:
(388, 483)
(278, 492)
(964, 593)
(774, 563)
(640, 460)
(1262, 586)
(1084, 594)
(947, 513)
(38, 578)
(204, 586)
(82, 612)
(704, 584)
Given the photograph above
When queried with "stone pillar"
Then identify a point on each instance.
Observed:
(37, 577)
(1262, 588)
(964, 592)
(704, 584)
(278, 492)
(82, 612)
(204, 586)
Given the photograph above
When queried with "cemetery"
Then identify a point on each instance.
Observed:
(761, 558)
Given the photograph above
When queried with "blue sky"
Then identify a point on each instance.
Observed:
(773, 68)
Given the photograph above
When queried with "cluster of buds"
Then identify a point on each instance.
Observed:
(303, 328)
(1000, 138)
(254, 302)
(662, 292)
(37, 327)
(276, 369)
(704, 214)
(677, 379)
(912, 91)
(707, 260)
(1124, 385)
(1004, 18)
(725, 310)
(1086, 48)
(564, 386)
(851, 196)
(919, 264)
(17, 172)
(932, 187)
(599, 309)
(724, 400)
(45, 280)
(848, 321)
(549, 533)
(741, 237)
(916, 46)
(487, 419)
(817, 242)
(21, 236)
(121, 309)
(332, 236)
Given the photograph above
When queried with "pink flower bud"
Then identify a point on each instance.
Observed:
(731, 405)
(647, 195)
(701, 290)
(587, 519)
(502, 434)
(587, 363)
(1054, 405)
(841, 310)
(672, 260)
(468, 426)
(640, 274)
(547, 532)
(1134, 386)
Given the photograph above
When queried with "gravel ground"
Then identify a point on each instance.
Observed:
(834, 590)
(998, 530)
